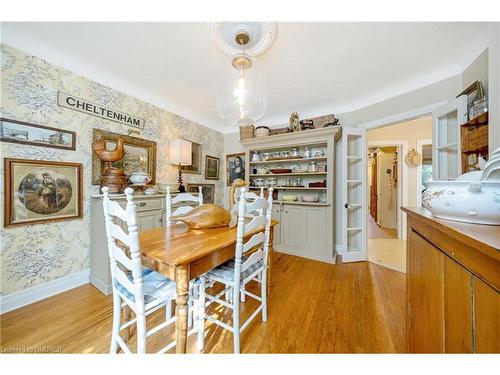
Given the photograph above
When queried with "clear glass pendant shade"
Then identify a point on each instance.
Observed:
(241, 91)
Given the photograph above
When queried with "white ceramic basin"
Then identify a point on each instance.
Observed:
(468, 201)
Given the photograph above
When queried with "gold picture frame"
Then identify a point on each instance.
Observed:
(139, 154)
(40, 191)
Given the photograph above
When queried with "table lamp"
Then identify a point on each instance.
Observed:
(180, 154)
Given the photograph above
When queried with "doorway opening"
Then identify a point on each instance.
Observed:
(392, 183)
(424, 170)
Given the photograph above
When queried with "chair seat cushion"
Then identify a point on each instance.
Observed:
(226, 270)
(155, 286)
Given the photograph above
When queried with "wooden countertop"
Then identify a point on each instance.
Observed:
(475, 246)
(477, 235)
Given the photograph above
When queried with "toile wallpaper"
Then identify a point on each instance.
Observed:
(34, 254)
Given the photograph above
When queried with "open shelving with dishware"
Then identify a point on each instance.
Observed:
(474, 142)
(300, 167)
(290, 160)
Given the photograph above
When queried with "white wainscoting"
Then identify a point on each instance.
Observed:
(24, 297)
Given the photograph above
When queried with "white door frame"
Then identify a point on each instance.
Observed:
(402, 199)
(418, 193)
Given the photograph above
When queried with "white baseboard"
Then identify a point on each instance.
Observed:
(105, 289)
(339, 249)
(24, 297)
(307, 256)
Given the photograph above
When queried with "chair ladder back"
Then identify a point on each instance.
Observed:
(240, 232)
(267, 231)
(257, 206)
(255, 257)
(131, 240)
(181, 197)
(256, 222)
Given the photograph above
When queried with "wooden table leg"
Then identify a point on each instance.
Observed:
(181, 308)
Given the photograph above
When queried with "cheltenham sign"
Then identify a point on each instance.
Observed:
(84, 106)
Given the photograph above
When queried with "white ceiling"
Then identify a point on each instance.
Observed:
(312, 68)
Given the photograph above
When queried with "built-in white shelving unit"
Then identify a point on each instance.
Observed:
(306, 229)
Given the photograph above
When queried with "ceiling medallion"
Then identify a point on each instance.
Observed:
(259, 36)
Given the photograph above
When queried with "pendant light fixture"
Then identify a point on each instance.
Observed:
(241, 84)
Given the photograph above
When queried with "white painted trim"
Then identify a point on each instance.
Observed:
(339, 249)
(402, 183)
(25, 297)
(403, 116)
(418, 194)
(331, 260)
(106, 289)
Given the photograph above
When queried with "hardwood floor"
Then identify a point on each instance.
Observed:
(314, 307)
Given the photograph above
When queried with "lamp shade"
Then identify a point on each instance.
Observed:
(180, 152)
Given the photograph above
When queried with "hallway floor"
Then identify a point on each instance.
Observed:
(390, 253)
(375, 231)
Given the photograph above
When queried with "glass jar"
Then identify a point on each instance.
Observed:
(255, 156)
(312, 167)
(294, 152)
(272, 181)
(307, 153)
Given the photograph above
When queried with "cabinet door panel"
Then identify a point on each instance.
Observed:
(425, 296)
(457, 308)
(148, 220)
(294, 234)
(315, 223)
(486, 318)
(276, 215)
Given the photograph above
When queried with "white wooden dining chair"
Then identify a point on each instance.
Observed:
(249, 263)
(140, 288)
(181, 197)
(250, 196)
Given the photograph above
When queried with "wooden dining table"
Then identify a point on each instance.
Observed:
(182, 254)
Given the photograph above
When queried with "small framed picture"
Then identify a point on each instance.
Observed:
(36, 135)
(208, 191)
(212, 166)
(38, 191)
(235, 167)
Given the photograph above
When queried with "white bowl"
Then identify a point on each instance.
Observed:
(310, 198)
(174, 186)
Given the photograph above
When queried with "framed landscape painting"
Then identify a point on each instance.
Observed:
(212, 166)
(38, 191)
(208, 191)
(36, 135)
